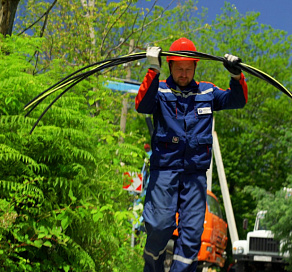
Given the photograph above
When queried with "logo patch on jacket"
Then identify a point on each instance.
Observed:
(206, 110)
(175, 139)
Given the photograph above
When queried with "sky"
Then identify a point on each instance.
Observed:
(276, 13)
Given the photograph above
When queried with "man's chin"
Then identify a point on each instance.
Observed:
(183, 84)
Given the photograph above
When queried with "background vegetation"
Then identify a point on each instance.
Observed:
(62, 207)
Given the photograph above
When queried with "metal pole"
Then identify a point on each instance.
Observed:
(124, 113)
(225, 191)
(133, 225)
(210, 170)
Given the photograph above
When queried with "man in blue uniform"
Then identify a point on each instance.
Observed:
(181, 151)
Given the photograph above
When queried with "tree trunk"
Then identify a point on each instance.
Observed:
(7, 13)
(125, 100)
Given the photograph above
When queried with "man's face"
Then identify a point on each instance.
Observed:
(183, 71)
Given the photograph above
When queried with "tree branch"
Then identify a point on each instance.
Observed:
(154, 20)
(45, 14)
(106, 34)
(143, 25)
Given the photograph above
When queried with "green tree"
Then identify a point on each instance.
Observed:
(61, 198)
(250, 138)
(278, 205)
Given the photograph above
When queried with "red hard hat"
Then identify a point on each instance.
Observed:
(182, 44)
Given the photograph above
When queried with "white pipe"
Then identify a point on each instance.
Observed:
(225, 191)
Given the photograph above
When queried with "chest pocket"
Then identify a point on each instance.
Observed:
(168, 103)
(204, 105)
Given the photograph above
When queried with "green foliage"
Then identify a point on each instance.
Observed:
(278, 205)
(250, 138)
(62, 206)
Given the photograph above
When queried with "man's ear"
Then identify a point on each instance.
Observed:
(170, 66)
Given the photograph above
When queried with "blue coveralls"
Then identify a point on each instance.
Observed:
(181, 154)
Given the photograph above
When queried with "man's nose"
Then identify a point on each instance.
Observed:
(184, 73)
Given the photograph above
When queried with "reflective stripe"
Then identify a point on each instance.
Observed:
(183, 259)
(155, 258)
(185, 95)
(206, 91)
(164, 90)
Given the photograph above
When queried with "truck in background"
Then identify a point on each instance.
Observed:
(259, 252)
(214, 238)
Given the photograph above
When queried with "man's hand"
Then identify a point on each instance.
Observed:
(153, 56)
(229, 63)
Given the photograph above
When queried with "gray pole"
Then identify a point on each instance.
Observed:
(225, 191)
(210, 170)
(125, 100)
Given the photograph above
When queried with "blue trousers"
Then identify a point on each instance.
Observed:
(169, 192)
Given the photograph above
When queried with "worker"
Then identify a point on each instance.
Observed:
(181, 151)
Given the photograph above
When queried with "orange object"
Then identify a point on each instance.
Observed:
(214, 237)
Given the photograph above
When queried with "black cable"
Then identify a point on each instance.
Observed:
(77, 79)
(62, 83)
(51, 104)
(79, 75)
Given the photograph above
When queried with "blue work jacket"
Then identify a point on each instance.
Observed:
(182, 137)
